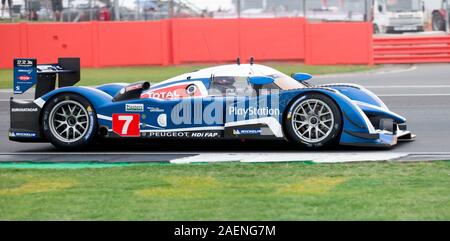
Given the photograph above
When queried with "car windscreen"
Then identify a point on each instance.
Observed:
(403, 5)
(283, 81)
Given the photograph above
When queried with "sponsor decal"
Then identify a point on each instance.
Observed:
(133, 87)
(27, 71)
(183, 134)
(164, 94)
(24, 109)
(205, 135)
(91, 121)
(191, 89)
(247, 131)
(25, 74)
(155, 109)
(162, 120)
(218, 111)
(134, 107)
(24, 78)
(24, 62)
(265, 111)
(23, 134)
(180, 90)
(126, 125)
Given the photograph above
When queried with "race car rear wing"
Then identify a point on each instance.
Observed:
(27, 74)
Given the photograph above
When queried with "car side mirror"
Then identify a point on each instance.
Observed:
(260, 80)
(300, 77)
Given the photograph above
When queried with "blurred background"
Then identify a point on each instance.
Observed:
(388, 16)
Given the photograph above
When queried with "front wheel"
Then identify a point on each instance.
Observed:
(313, 121)
(69, 121)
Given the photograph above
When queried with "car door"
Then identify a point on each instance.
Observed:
(243, 109)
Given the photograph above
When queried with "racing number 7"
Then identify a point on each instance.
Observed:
(128, 119)
(126, 124)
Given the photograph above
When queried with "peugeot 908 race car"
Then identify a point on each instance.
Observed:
(235, 101)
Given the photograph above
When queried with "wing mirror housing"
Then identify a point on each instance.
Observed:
(260, 80)
(301, 77)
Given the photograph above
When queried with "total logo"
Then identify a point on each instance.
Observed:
(164, 94)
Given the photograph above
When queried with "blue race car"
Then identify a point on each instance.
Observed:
(236, 101)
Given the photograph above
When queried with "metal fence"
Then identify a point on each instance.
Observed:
(98, 10)
(143, 10)
(117, 10)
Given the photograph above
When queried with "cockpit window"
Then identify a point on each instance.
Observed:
(229, 86)
(282, 81)
(224, 83)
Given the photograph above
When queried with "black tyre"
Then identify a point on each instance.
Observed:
(376, 29)
(69, 121)
(313, 121)
(438, 22)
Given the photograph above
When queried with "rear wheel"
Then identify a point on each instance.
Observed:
(69, 121)
(314, 121)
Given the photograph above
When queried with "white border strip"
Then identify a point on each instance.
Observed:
(104, 117)
(291, 157)
(206, 128)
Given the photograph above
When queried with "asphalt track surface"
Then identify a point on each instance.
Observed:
(421, 93)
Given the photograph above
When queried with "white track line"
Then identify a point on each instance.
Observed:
(271, 157)
(396, 71)
(7, 100)
(96, 153)
(366, 73)
(411, 95)
(213, 153)
(292, 157)
(380, 95)
(336, 157)
(405, 86)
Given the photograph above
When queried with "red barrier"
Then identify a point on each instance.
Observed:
(188, 41)
(425, 49)
(48, 41)
(10, 44)
(97, 44)
(205, 40)
(218, 40)
(339, 43)
(129, 43)
(269, 39)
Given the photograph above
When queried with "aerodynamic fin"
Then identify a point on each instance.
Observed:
(28, 73)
